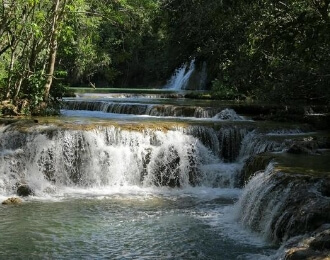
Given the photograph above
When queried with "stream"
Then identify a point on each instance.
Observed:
(120, 176)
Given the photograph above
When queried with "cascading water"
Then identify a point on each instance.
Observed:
(279, 205)
(52, 158)
(126, 188)
(156, 110)
(181, 77)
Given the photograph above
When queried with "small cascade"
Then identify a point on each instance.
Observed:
(207, 135)
(48, 158)
(153, 109)
(256, 143)
(274, 140)
(260, 202)
(203, 77)
(181, 77)
(107, 107)
(280, 205)
(230, 140)
(181, 111)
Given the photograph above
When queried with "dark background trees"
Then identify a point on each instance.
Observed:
(265, 49)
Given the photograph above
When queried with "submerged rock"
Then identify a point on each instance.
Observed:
(24, 190)
(12, 201)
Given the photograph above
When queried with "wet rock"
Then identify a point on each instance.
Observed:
(24, 190)
(166, 168)
(325, 188)
(308, 145)
(227, 114)
(289, 203)
(305, 254)
(230, 141)
(12, 201)
(312, 246)
(303, 210)
(298, 149)
(321, 241)
(252, 165)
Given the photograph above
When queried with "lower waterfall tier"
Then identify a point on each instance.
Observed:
(49, 157)
(284, 201)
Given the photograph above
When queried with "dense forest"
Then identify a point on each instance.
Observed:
(264, 50)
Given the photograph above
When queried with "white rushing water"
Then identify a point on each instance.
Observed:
(138, 192)
(101, 157)
(180, 78)
(113, 193)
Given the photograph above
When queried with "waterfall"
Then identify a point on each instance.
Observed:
(158, 110)
(180, 78)
(107, 107)
(48, 157)
(256, 143)
(203, 77)
(280, 205)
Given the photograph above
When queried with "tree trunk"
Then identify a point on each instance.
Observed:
(10, 72)
(52, 50)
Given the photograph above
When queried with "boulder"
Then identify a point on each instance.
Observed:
(24, 190)
(298, 149)
(12, 201)
(321, 241)
(304, 254)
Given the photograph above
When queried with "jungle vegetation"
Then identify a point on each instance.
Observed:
(265, 49)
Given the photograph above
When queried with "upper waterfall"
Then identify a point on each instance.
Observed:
(180, 78)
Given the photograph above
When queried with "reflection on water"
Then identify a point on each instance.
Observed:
(123, 226)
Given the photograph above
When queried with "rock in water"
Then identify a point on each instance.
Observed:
(12, 201)
(24, 190)
(227, 114)
(314, 246)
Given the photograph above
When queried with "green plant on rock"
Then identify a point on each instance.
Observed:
(223, 91)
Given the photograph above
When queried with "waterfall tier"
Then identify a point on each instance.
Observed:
(180, 78)
(46, 156)
(157, 110)
(289, 198)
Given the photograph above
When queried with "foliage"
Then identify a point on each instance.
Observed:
(221, 91)
(266, 49)
(29, 31)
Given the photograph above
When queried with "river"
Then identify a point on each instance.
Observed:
(121, 176)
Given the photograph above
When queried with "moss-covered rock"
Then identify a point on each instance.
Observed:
(12, 201)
